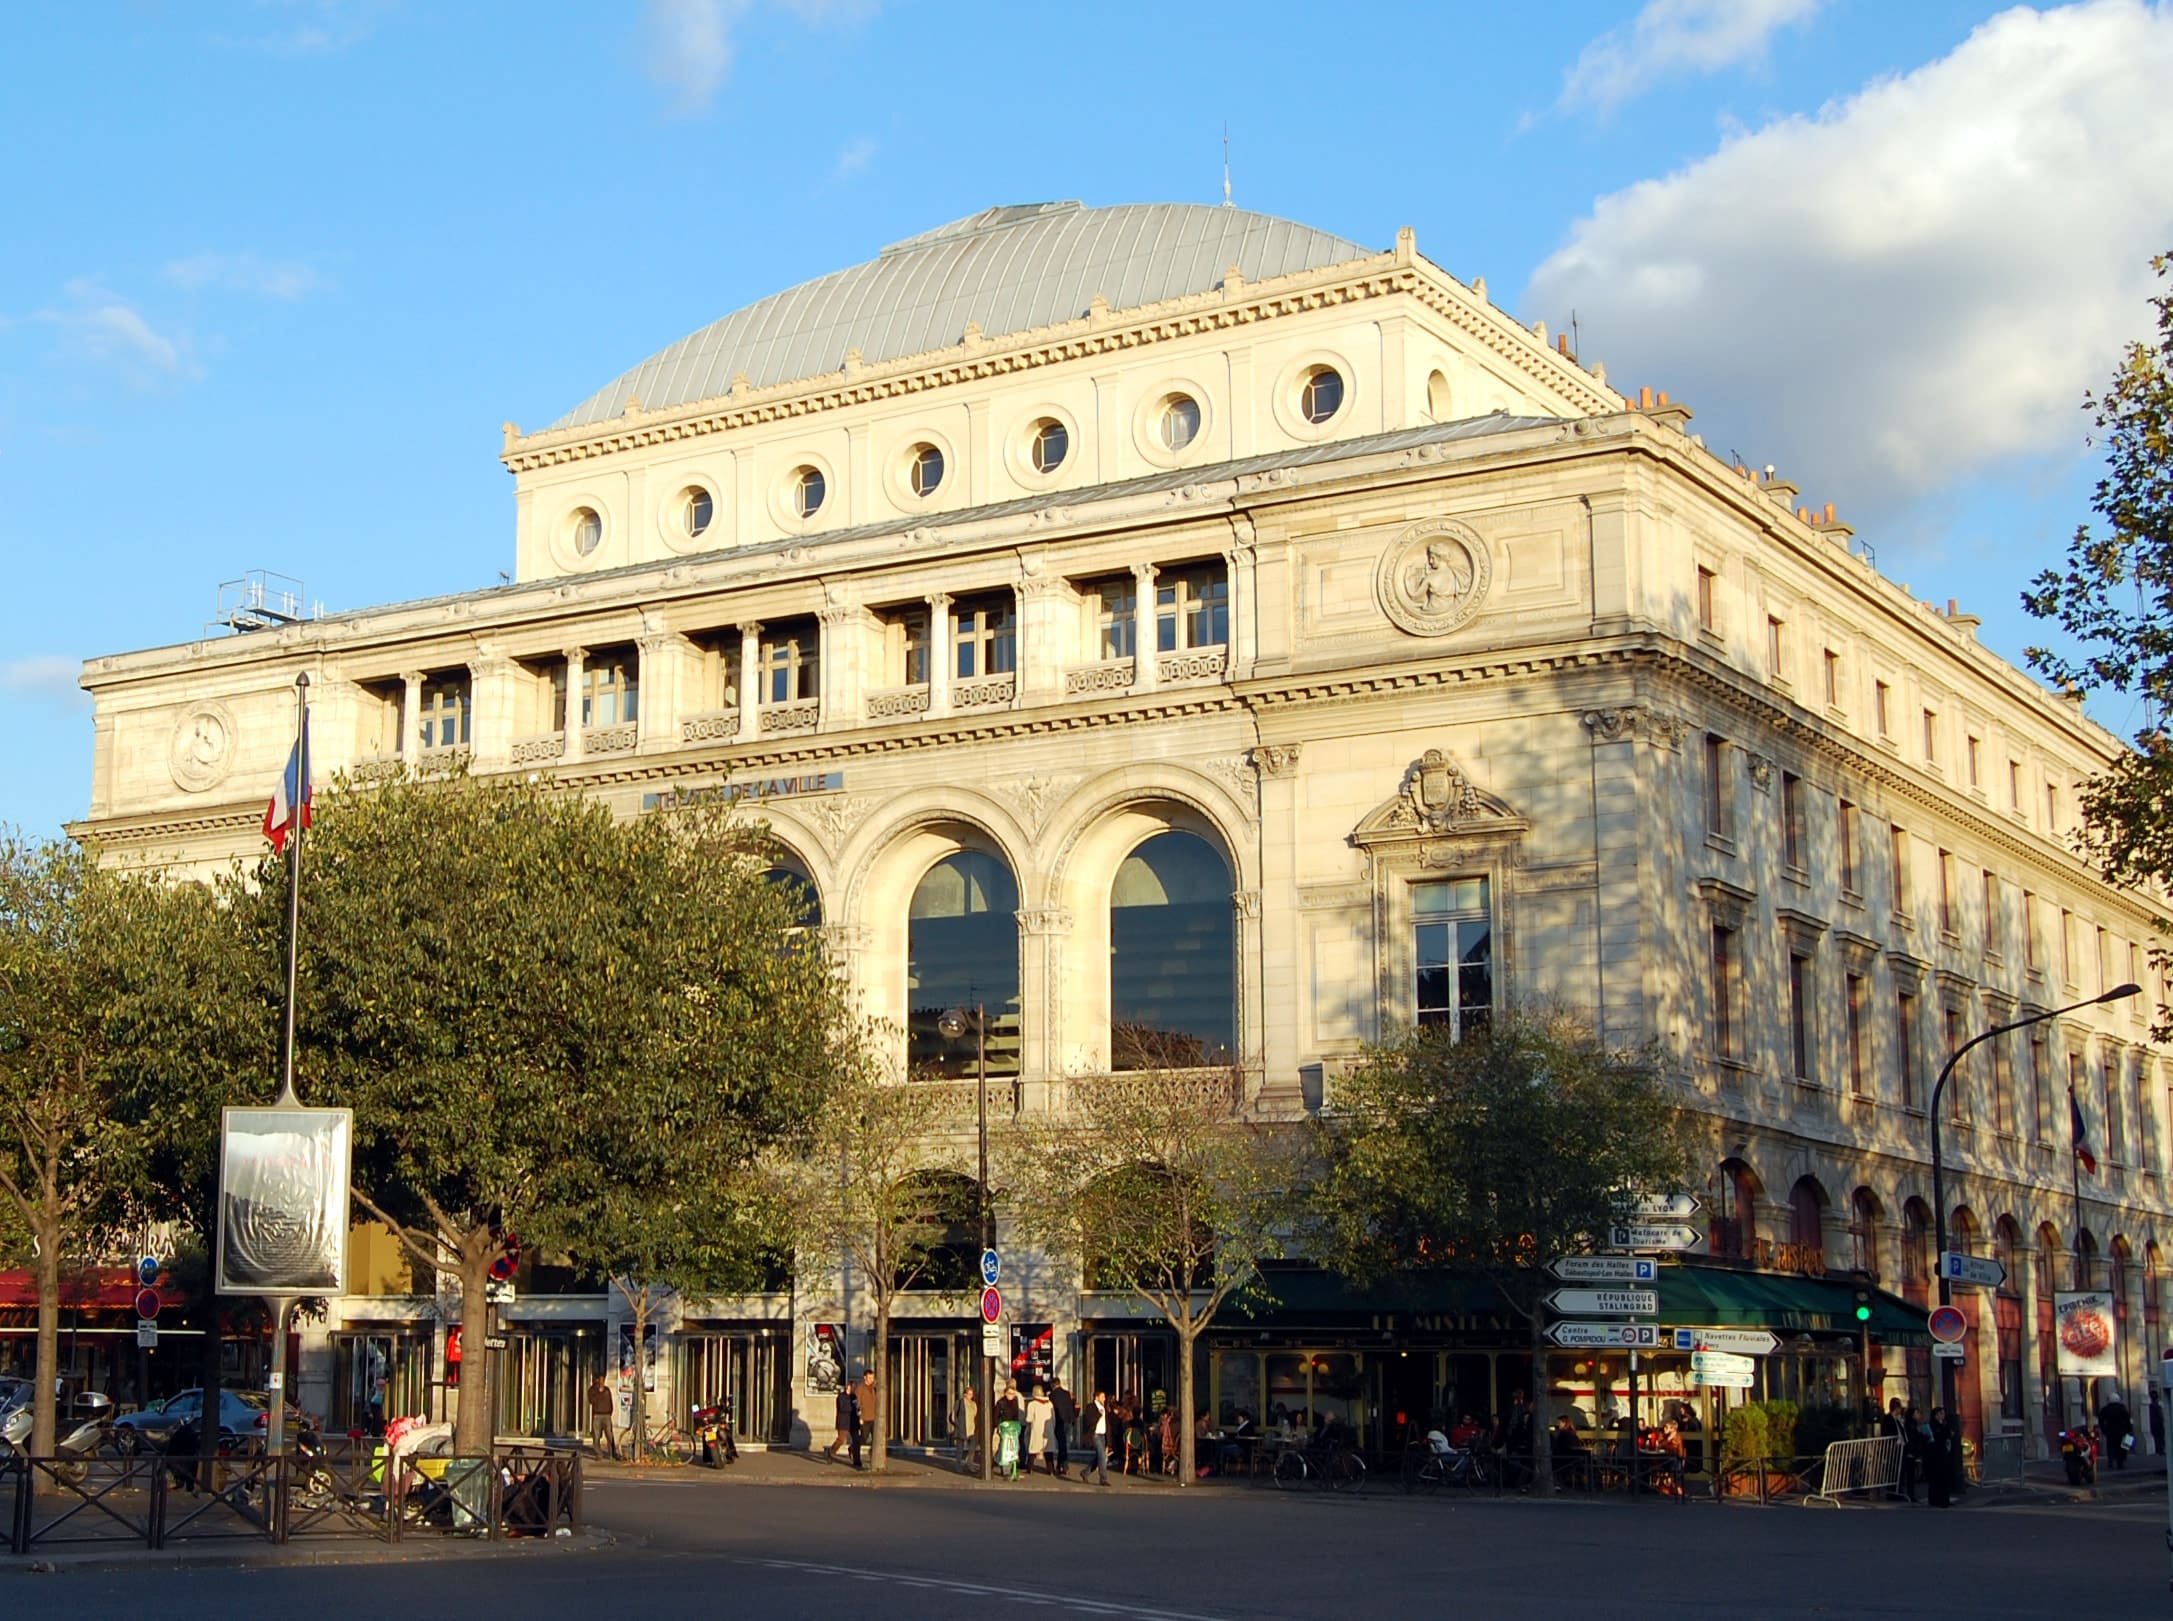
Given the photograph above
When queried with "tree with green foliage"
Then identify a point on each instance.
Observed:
(2114, 599)
(1490, 1155)
(542, 1015)
(1159, 1183)
(863, 1186)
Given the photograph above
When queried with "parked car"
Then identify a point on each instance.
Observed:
(242, 1414)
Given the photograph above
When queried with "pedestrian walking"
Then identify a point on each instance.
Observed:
(2117, 1425)
(844, 1404)
(2157, 1425)
(602, 1436)
(1942, 1463)
(1916, 1452)
(1040, 1431)
(1896, 1424)
(1067, 1423)
(1094, 1437)
(868, 1413)
(969, 1430)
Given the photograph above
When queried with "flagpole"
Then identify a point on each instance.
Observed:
(2074, 1171)
(287, 1099)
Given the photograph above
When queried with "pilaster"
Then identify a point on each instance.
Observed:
(750, 679)
(940, 657)
(576, 662)
(490, 721)
(411, 716)
(1043, 931)
(667, 664)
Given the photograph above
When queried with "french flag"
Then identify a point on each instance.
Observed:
(289, 809)
(2080, 1135)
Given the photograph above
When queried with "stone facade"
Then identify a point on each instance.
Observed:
(1729, 790)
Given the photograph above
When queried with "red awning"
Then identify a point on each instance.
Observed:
(105, 1288)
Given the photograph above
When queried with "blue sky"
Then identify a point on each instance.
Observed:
(276, 272)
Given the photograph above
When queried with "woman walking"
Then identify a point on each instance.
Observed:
(1040, 1431)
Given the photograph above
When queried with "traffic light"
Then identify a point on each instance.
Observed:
(1863, 1305)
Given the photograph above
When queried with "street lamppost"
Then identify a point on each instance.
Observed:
(952, 1024)
(2118, 993)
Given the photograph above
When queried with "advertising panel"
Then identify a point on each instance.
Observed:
(283, 1201)
(2082, 1322)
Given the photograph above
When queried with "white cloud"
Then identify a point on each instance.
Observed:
(49, 677)
(243, 273)
(855, 156)
(1670, 38)
(691, 48)
(108, 328)
(1914, 283)
(310, 27)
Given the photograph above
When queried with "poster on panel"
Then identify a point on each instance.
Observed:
(825, 1358)
(2082, 1322)
(283, 1201)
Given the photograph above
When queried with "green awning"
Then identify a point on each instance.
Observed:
(1301, 1297)
(1721, 1297)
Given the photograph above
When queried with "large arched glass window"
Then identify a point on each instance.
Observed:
(962, 951)
(792, 879)
(1172, 957)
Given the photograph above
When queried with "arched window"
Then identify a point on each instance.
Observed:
(1172, 957)
(1733, 1230)
(1962, 1231)
(797, 884)
(2153, 1298)
(2123, 1264)
(2007, 1317)
(1864, 1213)
(2086, 1259)
(1807, 1216)
(962, 951)
(1916, 1266)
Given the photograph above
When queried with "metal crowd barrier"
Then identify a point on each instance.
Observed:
(1870, 1465)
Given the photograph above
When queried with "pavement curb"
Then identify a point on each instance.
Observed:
(329, 1551)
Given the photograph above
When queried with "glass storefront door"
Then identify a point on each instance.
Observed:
(378, 1375)
(924, 1370)
(1132, 1368)
(543, 1380)
(750, 1370)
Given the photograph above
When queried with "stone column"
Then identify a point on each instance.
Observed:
(411, 716)
(940, 655)
(576, 659)
(750, 680)
(490, 710)
(1043, 648)
(1146, 663)
(1042, 931)
(665, 659)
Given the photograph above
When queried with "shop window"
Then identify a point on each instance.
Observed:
(1191, 607)
(1172, 957)
(1453, 936)
(962, 951)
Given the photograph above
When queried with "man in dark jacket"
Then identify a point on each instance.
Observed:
(1095, 1423)
(1067, 1423)
(847, 1426)
(2115, 1423)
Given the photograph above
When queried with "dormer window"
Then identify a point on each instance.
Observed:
(1321, 395)
(924, 471)
(1179, 423)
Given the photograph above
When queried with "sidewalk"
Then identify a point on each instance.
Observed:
(305, 1551)
(907, 1470)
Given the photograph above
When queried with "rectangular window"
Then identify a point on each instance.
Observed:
(1882, 708)
(1974, 749)
(1799, 1016)
(2137, 1005)
(2116, 1135)
(2052, 808)
(608, 688)
(2014, 785)
(1776, 649)
(914, 648)
(2040, 1089)
(984, 637)
(1453, 937)
(443, 713)
(1958, 1081)
(1859, 1075)
(2067, 947)
(1833, 679)
(1946, 892)
(2003, 1087)
(1192, 608)
(790, 660)
(2029, 931)
(1792, 820)
(1707, 610)
(1898, 845)
(1724, 983)
(1992, 933)
(1905, 1041)
(2104, 963)
(1719, 801)
(1931, 737)
(1117, 611)
(1850, 835)
(2146, 1128)
(2078, 1089)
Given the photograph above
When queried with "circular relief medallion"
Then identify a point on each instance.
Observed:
(203, 747)
(1434, 578)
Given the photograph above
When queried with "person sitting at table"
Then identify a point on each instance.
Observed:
(1238, 1441)
(1668, 1460)
(1465, 1432)
(1572, 1458)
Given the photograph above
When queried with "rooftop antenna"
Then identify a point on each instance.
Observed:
(1226, 203)
(1576, 341)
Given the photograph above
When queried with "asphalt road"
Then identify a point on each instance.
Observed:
(698, 1544)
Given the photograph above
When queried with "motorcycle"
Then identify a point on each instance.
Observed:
(76, 1446)
(713, 1428)
(2079, 1454)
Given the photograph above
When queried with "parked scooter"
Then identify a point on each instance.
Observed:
(713, 1428)
(73, 1451)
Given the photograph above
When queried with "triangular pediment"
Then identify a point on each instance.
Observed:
(1435, 800)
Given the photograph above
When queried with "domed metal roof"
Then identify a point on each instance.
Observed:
(1007, 269)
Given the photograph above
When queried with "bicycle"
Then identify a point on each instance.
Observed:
(1427, 1467)
(1337, 1469)
(665, 1442)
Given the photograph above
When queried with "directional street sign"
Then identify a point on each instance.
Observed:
(1605, 1302)
(1974, 1271)
(1947, 1353)
(1658, 1206)
(1653, 1235)
(1725, 1379)
(992, 1267)
(1721, 1362)
(1947, 1324)
(1740, 1341)
(1630, 1336)
(1606, 1269)
(992, 1305)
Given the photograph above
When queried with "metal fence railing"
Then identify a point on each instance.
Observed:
(1870, 1465)
(345, 1490)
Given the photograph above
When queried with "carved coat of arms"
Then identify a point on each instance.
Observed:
(1435, 577)
(1435, 795)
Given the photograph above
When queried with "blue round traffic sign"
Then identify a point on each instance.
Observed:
(991, 1267)
(992, 1306)
(148, 1269)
